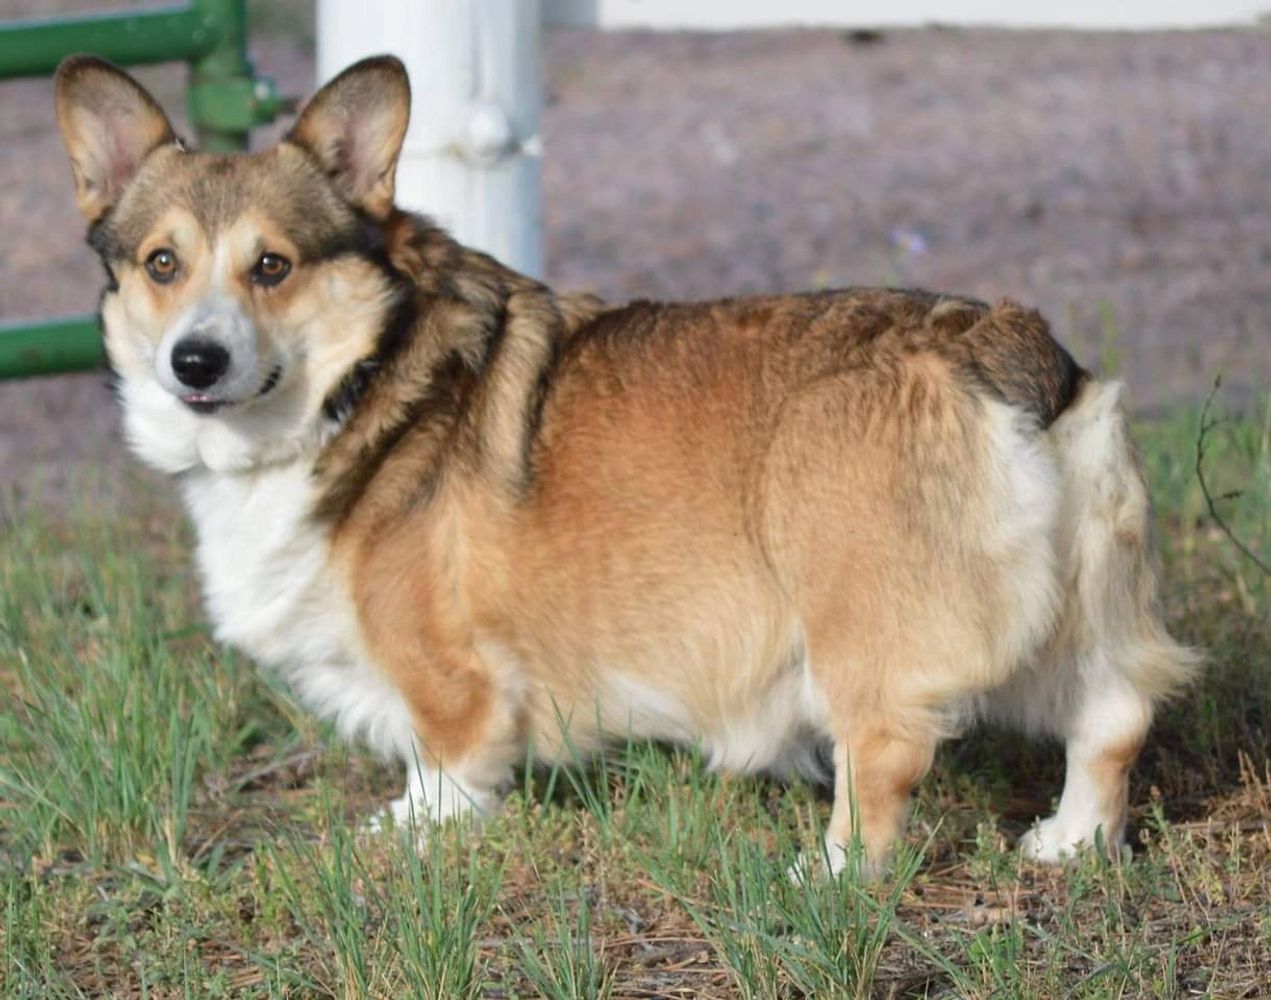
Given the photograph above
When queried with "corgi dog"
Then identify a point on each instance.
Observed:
(463, 514)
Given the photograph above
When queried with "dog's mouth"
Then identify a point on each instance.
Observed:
(204, 403)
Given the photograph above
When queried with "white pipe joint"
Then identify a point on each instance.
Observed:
(489, 136)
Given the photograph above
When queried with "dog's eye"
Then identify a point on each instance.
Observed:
(271, 269)
(162, 265)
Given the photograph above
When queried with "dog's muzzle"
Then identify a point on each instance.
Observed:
(211, 358)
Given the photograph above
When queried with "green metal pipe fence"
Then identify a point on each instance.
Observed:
(225, 99)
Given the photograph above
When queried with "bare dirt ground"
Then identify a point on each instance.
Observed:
(1122, 183)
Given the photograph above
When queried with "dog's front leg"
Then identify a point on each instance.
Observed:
(435, 793)
(467, 739)
(876, 769)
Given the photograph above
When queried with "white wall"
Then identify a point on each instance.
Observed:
(724, 14)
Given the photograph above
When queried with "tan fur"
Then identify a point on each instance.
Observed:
(857, 516)
(1111, 770)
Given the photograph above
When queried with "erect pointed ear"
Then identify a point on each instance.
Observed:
(355, 125)
(110, 124)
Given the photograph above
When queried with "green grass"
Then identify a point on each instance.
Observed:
(170, 825)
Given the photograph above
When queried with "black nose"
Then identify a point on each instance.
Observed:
(199, 363)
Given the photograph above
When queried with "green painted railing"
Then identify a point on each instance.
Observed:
(50, 347)
(225, 99)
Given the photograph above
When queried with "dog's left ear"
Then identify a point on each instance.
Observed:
(354, 126)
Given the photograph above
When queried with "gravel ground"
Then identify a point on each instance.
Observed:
(1122, 183)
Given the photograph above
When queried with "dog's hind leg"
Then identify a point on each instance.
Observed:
(1111, 659)
(1103, 731)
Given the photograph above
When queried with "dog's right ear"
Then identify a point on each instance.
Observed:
(109, 124)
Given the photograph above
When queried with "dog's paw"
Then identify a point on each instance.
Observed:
(830, 862)
(808, 867)
(414, 815)
(377, 823)
(1052, 843)
(402, 815)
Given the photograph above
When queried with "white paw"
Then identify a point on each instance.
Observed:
(404, 814)
(830, 862)
(379, 822)
(430, 799)
(390, 817)
(808, 867)
(1050, 842)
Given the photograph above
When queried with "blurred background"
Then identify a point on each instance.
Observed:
(1117, 177)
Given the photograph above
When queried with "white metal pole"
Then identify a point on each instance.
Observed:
(473, 150)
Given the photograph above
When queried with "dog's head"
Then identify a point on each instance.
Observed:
(242, 289)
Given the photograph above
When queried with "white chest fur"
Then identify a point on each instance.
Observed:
(271, 592)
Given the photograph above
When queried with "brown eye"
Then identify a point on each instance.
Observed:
(271, 269)
(162, 265)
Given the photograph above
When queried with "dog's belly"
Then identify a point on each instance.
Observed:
(742, 695)
(271, 592)
(778, 729)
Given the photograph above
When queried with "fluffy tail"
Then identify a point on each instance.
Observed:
(1112, 614)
